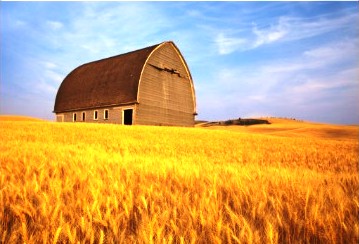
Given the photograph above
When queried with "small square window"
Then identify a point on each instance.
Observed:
(60, 118)
(105, 114)
(95, 117)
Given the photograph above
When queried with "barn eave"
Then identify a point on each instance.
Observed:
(97, 107)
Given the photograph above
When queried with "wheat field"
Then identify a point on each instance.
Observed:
(90, 183)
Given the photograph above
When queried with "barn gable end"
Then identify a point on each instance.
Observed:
(166, 94)
(152, 85)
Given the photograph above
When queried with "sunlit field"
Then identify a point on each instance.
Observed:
(91, 183)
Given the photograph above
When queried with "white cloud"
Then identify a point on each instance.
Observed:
(54, 25)
(118, 26)
(53, 76)
(19, 23)
(305, 28)
(44, 88)
(228, 45)
(317, 58)
(49, 65)
(259, 98)
(285, 29)
(293, 85)
(195, 13)
(269, 35)
(334, 52)
(343, 79)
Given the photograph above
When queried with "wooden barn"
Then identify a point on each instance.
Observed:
(150, 86)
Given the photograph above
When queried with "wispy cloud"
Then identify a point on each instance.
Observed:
(54, 25)
(271, 34)
(310, 79)
(228, 45)
(284, 29)
(323, 56)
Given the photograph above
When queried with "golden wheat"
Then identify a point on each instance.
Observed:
(64, 182)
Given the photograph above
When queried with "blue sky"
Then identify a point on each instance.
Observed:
(247, 59)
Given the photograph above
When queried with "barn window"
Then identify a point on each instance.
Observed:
(95, 115)
(74, 117)
(105, 114)
(60, 118)
(83, 116)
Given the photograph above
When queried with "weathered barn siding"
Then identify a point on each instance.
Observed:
(165, 90)
(115, 115)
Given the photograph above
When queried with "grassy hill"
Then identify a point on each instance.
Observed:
(293, 128)
(69, 182)
(18, 118)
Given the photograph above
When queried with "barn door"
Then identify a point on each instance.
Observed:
(127, 116)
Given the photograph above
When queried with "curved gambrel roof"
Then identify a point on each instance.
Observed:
(107, 82)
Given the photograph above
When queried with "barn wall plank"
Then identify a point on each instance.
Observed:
(165, 98)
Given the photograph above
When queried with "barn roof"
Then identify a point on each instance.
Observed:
(106, 82)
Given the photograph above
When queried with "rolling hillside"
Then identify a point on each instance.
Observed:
(18, 118)
(294, 128)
